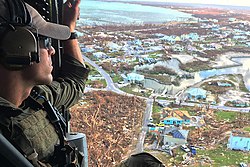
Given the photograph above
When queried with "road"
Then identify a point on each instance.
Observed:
(148, 112)
(110, 84)
(111, 87)
(147, 115)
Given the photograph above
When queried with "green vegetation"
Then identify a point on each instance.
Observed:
(156, 113)
(161, 98)
(232, 77)
(156, 108)
(247, 128)
(226, 115)
(164, 79)
(93, 71)
(154, 54)
(191, 110)
(243, 87)
(219, 157)
(224, 157)
(103, 81)
(195, 66)
(117, 78)
(215, 89)
(97, 83)
(130, 89)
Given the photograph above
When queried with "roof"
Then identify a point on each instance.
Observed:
(239, 143)
(134, 76)
(180, 134)
(177, 134)
(172, 118)
(181, 114)
(197, 92)
(177, 115)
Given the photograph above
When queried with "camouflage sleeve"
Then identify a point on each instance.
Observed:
(68, 88)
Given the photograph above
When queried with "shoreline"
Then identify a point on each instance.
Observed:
(222, 61)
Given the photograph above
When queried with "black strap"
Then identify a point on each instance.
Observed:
(63, 153)
(54, 117)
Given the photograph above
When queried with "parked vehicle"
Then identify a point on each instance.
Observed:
(185, 148)
(242, 164)
(165, 147)
(150, 119)
(160, 124)
(151, 125)
(193, 150)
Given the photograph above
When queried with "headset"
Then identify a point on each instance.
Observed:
(18, 45)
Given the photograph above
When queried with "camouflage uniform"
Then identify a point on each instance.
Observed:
(28, 128)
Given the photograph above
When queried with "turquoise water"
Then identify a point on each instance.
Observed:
(106, 13)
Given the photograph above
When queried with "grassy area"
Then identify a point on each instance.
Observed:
(195, 66)
(219, 157)
(129, 89)
(225, 115)
(243, 87)
(103, 81)
(166, 159)
(97, 83)
(117, 78)
(93, 71)
(191, 110)
(247, 128)
(225, 157)
(156, 108)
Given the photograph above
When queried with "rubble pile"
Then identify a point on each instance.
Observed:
(215, 132)
(111, 123)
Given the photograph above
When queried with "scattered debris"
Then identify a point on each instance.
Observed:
(111, 123)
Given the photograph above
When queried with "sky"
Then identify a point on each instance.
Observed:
(218, 2)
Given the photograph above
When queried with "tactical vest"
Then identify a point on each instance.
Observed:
(31, 132)
(35, 131)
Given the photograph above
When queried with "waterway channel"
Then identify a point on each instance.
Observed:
(243, 68)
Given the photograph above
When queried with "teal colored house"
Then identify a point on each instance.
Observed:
(224, 84)
(238, 143)
(196, 93)
(134, 78)
(177, 117)
(173, 121)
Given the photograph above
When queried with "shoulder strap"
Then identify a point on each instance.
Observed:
(64, 154)
(54, 117)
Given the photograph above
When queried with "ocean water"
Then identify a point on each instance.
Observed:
(95, 12)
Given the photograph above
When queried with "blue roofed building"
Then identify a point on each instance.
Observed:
(155, 130)
(175, 137)
(134, 78)
(238, 142)
(190, 36)
(100, 55)
(172, 121)
(177, 117)
(224, 84)
(87, 50)
(196, 93)
(178, 134)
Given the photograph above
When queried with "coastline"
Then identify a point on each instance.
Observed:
(222, 61)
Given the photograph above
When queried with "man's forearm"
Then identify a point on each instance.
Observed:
(71, 47)
(70, 16)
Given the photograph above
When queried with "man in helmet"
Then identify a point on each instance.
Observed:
(25, 69)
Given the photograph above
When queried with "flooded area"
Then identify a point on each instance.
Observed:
(242, 68)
